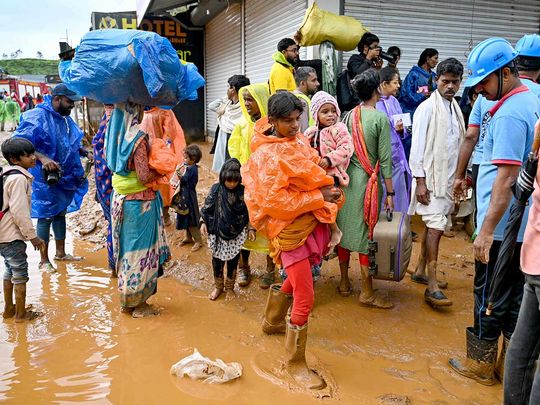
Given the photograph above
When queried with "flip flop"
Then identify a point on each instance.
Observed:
(68, 258)
(344, 293)
(437, 299)
(443, 285)
(48, 267)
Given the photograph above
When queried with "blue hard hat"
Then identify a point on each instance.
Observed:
(529, 45)
(487, 57)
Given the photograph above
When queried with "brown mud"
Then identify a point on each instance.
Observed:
(84, 350)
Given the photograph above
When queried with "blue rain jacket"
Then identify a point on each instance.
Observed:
(58, 138)
(409, 98)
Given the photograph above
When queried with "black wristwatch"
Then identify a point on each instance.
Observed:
(391, 194)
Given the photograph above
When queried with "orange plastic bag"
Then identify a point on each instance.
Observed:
(162, 159)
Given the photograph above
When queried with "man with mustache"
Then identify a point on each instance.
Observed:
(438, 130)
(509, 133)
(59, 183)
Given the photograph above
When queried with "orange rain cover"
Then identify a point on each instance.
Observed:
(282, 181)
(162, 124)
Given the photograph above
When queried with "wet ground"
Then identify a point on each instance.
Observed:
(84, 350)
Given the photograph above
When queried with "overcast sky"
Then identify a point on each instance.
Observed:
(38, 25)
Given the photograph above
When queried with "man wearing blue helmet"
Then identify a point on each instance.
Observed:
(519, 385)
(528, 61)
(508, 139)
(528, 64)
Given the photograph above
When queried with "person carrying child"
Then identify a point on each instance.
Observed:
(253, 101)
(185, 201)
(330, 137)
(225, 220)
(291, 201)
(16, 225)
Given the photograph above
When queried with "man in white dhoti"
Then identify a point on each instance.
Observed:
(438, 130)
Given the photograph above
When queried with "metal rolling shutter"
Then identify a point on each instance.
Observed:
(453, 28)
(223, 57)
(266, 23)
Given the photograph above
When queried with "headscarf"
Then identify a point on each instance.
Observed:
(317, 101)
(259, 91)
(225, 212)
(122, 136)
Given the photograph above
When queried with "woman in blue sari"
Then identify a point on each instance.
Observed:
(139, 243)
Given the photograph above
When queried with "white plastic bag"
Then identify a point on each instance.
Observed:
(196, 367)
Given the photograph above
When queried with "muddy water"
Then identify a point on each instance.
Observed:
(84, 350)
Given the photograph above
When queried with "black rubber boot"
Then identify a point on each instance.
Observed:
(480, 362)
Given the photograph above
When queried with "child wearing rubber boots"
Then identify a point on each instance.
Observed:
(293, 202)
(16, 226)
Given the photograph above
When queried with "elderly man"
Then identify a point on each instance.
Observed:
(59, 182)
(438, 130)
(282, 72)
(307, 85)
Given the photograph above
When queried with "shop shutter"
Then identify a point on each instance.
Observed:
(223, 57)
(266, 23)
(453, 28)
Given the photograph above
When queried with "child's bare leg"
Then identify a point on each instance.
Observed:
(9, 308)
(21, 313)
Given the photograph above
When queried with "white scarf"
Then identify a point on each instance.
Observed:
(436, 151)
(228, 116)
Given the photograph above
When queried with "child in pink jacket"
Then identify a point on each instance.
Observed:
(330, 137)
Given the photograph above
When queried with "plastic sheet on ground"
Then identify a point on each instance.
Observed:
(198, 367)
(116, 66)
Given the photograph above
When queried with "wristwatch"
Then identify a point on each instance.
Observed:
(391, 194)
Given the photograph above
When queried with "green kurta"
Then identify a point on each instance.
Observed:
(351, 217)
(2, 111)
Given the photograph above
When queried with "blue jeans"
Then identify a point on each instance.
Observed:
(521, 380)
(14, 254)
(58, 223)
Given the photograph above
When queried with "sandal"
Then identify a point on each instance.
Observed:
(47, 267)
(437, 299)
(375, 301)
(344, 293)
(443, 285)
(196, 247)
(145, 311)
(185, 242)
(267, 279)
(30, 316)
(244, 276)
(68, 258)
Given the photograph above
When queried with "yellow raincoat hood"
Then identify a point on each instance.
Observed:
(243, 131)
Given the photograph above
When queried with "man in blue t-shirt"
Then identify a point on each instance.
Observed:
(509, 132)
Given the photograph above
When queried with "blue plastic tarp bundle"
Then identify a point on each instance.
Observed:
(115, 66)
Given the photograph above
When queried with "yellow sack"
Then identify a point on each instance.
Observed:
(320, 25)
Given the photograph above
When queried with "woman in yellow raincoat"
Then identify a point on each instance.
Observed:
(254, 104)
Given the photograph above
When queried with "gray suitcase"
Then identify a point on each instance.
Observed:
(391, 247)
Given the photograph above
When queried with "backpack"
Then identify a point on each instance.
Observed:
(2, 175)
(345, 95)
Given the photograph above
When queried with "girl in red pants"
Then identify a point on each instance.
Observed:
(294, 204)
